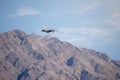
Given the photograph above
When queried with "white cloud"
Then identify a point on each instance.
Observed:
(24, 12)
(114, 20)
(113, 13)
(89, 36)
(87, 31)
(77, 9)
(85, 9)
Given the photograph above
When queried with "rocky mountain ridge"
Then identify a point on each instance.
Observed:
(35, 57)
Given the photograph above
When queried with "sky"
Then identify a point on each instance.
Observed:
(92, 24)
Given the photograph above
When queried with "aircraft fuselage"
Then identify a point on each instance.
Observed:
(48, 31)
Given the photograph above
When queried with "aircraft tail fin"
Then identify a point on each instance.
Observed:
(43, 27)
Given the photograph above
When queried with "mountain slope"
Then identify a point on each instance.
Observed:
(35, 57)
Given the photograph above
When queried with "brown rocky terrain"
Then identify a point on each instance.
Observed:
(35, 57)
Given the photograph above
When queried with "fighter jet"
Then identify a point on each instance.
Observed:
(48, 31)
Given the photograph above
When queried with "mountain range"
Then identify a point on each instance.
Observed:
(36, 57)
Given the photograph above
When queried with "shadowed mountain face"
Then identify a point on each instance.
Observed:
(35, 57)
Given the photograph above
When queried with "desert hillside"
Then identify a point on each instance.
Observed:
(35, 57)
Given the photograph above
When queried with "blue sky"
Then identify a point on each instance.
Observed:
(93, 24)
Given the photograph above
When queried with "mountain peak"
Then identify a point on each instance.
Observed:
(18, 32)
(35, 57)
